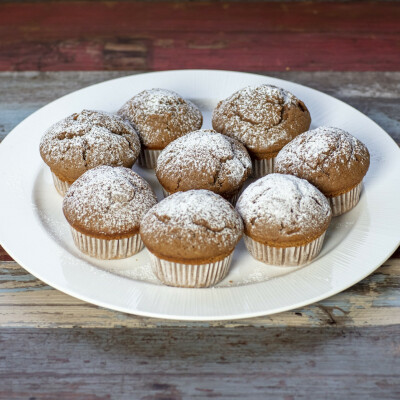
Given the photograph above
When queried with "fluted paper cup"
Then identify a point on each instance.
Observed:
(346, 201)
(284, 256)
(262, 167)
(107, 249)
(148, 158)
(61, 186)
(190, 276)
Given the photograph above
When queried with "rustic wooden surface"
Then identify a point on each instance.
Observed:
(55, 346)
(124, 35)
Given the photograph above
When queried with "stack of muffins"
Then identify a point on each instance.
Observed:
(303, 178)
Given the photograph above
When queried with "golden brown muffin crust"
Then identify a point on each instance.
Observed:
(108, 203)
(329, 158)
(264, 118)
(283, 211)
(204, 159)
(197, 226)
(86, 140)
(161, 116)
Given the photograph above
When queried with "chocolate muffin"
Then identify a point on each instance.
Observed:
(86, 140)
(204, 159)
(160, 116)
(191, 237)
(264, 118)
(104, 208)
(285, 219)
(332, 160)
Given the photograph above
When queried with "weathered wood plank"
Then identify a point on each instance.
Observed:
(374, 93)
(4, 256)
(255, 36)
(251, 363)
(26, 302)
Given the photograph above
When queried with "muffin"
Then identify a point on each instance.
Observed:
(191, 237)
(285, 219)
(160, 116)
(86, 140)
(332, 160)
(104, 208)
(264, 118)
(204, 159)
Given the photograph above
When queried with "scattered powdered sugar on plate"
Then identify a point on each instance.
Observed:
(141, 271)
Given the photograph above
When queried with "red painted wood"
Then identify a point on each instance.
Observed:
(4, 256)
(245, 36)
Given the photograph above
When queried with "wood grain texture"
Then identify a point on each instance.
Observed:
(374, 93)
(26, 302)
(255, 36)
(186, 363)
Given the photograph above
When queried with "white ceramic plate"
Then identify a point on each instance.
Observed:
(34, 232)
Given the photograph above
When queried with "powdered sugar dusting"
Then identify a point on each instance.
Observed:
(157, 100)
(108, 201)
(195, 218)
(329, 157)
(86, 140)
(284, 205)
(322, 148)
(161, 115)
(253, 115)
(218, 162)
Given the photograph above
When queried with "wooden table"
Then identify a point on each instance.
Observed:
(53, 346)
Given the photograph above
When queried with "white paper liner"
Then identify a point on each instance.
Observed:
(233, 199)
(191, 276)
(346, 201)
(285, 256)
(165, 193)
(61, 186)
(148, 158)
(262, 167)
(107, 249)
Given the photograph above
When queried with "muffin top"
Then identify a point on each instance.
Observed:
(330, 158)
(108, 202)
(264, 118)
(204, 159)
(283, 211)
(161, 116)
(197, 226)
(86, 140)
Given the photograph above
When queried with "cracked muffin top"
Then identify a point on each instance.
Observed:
(283, 211)
(204, 159)
(86, 140)
(197, 226)
(264, 118)
(161, 116)
(329, 158)
(108, 202)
